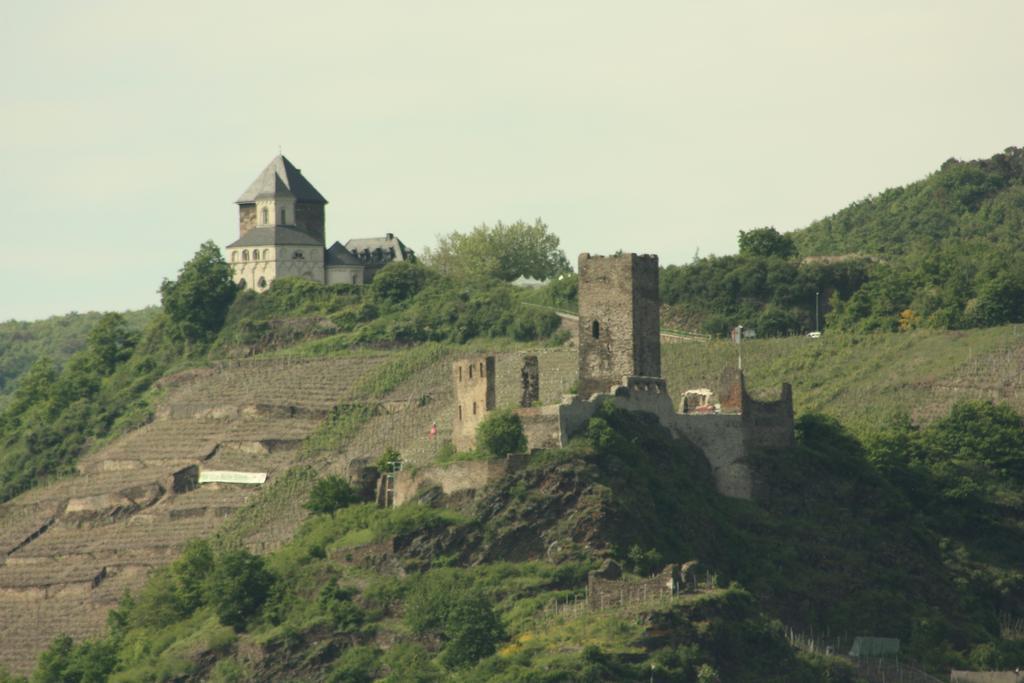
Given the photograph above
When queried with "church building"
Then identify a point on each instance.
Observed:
(281, 234)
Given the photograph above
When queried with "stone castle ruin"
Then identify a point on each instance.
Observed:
(619, 361)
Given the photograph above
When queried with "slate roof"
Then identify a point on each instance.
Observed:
(279, 235)
(338, 255)
(385, 244)
(281, 179)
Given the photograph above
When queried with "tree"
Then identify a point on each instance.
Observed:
(505, 252)
(472, 630)
(330, 494)
(111, 342)
(500, 433)
(399, 281)
(766, 242)
(198, 300)
(238, 587)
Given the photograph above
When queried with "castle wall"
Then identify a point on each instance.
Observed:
(619, 320)
(275, 262)
(541, 426)
(344, 275)
(473, 379)
(309, 218)
(453, 478)
(246, 218)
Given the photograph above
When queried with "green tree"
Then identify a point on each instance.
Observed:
(505, 252)
(238, 587)
(766, 242)
(501, 433)
(399, 280)
(198, 300)
(330, 494)
(110, 343)
(472, 630)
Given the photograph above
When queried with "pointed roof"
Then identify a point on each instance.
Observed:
(281, 179)
(338, 255)
(276, 236)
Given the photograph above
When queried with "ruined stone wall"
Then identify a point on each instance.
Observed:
(309, 218)
(984, 677)
(246, 218)
(541, 426)
(604, 593)
(473, 379)
(619, 320)
(455, 477)
(769, 424)
(723, 440)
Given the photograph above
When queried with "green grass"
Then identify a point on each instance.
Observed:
(863, 379)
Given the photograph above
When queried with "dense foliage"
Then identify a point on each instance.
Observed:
(198, 300)
(500, 433)
(504, 251)
(944, 252)
(56, 338)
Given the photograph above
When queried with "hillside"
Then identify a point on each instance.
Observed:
(940, 253)
(58, 338)
(962, 202)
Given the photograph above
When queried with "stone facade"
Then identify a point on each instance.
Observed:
(530, 376)
(619, 320)
(281, 220)
(474, 395)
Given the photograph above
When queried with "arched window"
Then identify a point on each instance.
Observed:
(266, 254)
(595, 329)
(241, 283)
(262, 284)
(266, 216)
(234, 256)
(255, 254)
(245, 254)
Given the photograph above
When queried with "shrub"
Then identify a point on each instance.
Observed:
(330, 494)
(238, 587)
(500, 433)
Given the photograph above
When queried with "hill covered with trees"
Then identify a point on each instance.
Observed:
(944, 252)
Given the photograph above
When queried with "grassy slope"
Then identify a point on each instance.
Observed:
(865, 379)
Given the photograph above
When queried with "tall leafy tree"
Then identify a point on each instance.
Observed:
(504, 251)
(198, 300)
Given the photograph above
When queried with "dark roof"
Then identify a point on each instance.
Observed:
(385, 244)
(281, 179)
(338, 255)
(259, 237)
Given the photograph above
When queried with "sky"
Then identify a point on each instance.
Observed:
(128, 129)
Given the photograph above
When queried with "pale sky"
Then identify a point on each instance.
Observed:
(129, 128)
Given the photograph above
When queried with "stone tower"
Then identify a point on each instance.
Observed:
(281, 197)
(474, 394)
(620, 322)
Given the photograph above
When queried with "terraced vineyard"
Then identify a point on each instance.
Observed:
(69, 550)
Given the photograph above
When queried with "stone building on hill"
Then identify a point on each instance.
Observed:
(281, 234)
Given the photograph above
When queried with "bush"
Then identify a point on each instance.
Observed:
(399, 281)
(500, 433)
(197, 302)
(238, 587)
(330, 494)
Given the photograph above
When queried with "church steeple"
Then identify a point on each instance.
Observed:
(281, 197)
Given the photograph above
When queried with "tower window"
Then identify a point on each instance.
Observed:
(255, 254)
(266, 253)
(474, 407)
(234, 256)
(262, 284)
(241, 283)
(245, 254)
(481, 369)
(266, 216)
(595, 329)
(471, 372)
(460, 373)
(282, 217)
(460, 412)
